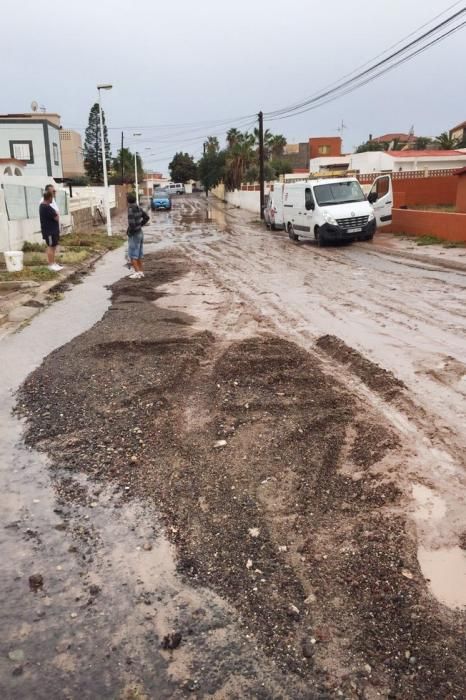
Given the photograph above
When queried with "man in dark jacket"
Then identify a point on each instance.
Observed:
(50, 228)
(137, 218)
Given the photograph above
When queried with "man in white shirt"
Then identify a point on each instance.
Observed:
(53, 204)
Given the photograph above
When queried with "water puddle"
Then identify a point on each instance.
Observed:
(445, 569)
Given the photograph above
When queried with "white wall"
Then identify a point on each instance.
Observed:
(91, 197)
(315, 164)
(14, 233)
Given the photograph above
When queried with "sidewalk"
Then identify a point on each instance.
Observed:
(22, 299)
(436, 254)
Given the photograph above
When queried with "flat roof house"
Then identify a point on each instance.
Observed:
(33, 139)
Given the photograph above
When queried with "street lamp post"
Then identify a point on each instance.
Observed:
(136, 171)
(104, 161)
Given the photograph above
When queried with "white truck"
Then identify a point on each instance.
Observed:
(333, 209)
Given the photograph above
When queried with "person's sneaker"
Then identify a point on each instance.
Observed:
(141, 274)
(58, 267)
(134, 276)
(54, 267)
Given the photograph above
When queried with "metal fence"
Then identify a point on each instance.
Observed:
(23, 202)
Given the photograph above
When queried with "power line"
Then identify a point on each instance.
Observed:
(318, 103)
(319, 96)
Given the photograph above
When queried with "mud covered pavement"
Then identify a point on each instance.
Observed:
(248, 502)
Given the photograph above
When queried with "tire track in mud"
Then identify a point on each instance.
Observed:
(294, 519)
(217, 255)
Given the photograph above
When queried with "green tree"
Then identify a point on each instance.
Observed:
(182, 168)
(93, 146)
(446, 142)
(126, 175)
(422, 142)
(211, 169)
(233, 136)
(370, 146)
(277, 145)
(238, 159)
(212, 145)
(279, 166)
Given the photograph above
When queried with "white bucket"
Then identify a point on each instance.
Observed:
(14, 260)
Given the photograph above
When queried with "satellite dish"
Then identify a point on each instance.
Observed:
(34, 106)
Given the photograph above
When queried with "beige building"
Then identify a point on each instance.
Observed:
(71, 153)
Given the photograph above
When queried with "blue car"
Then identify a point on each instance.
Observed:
(161, 200)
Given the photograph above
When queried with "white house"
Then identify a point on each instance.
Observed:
(391, 161)
(33, 139)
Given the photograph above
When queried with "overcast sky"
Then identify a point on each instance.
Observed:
(189, 62)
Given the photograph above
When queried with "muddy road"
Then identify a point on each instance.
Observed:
(244, 478)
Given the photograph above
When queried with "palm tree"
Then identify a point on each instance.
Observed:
(446, 142)
(239, 158)
(233, 136)
(277, 144)
(212, 144)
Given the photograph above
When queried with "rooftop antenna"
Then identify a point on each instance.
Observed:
(34, 106)
(341, 127)
(43, 109)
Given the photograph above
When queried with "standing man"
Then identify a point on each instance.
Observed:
(137, 218)
(50, 228)
(51, 188)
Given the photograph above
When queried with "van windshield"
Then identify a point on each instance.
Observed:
(338, 193)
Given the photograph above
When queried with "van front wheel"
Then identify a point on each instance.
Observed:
(291, 234)
(318, 237)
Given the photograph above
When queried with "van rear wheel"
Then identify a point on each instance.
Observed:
(291, 234)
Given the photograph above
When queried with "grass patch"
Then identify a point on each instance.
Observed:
(67, 256)
(454, 244)
(41, 273)
(433, 207)
(73, 257)
(33, 247)
(429, 240)
(94, 241)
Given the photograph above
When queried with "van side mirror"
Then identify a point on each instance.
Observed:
(372, 197)
(310, 205)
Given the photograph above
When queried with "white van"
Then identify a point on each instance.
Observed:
(336, 209)
(273, 210)
(175, 188)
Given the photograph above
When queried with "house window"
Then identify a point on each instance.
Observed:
(22, 150)
(324, 150)
(56, 157)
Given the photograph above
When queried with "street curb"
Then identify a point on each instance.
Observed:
(427, 260)
(41, 294)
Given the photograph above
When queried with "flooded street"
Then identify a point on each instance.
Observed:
(241, 477)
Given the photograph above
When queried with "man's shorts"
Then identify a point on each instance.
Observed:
(135, 246)
(51, 239)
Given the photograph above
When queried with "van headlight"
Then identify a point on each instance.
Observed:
(371, 216)
(329, 218)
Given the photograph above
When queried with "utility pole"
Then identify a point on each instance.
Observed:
(261, 163)
(104, 161)
(121, 159)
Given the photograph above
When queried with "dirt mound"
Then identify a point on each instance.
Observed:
(260, 464)
(377, 378)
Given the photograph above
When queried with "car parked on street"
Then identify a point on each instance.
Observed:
(176, 188)
(161, 200)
